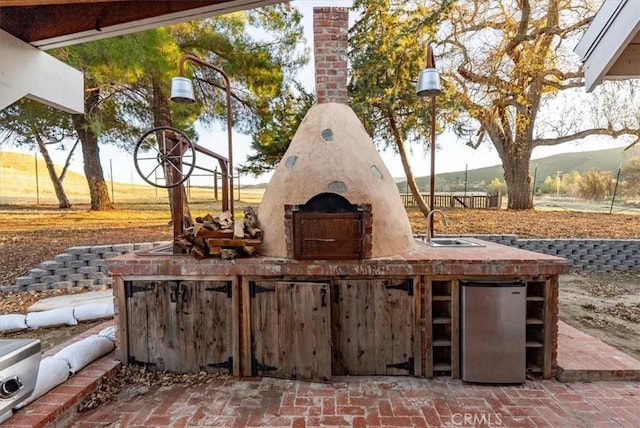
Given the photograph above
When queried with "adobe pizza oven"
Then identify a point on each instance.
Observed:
(332, 197)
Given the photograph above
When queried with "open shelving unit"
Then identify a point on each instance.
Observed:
(444, 336)
(538, 328)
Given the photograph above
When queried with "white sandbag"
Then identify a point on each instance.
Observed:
(52, 372)
(51, 318)
(12, 322)
(81, 353)
(93, 311)
(109, 333)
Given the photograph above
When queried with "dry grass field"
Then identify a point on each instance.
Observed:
(21, 183)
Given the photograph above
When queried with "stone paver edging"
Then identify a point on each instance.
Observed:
(86, 268)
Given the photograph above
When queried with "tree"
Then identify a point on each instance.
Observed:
(260, 70)
(631, 174)
(267, 102)
(127, 92)
(496, 186)
(571, 183)
(508, 68)
(562, 183)
(386, 56)
(275, 132)
(516, 78)
(596, 185)
(29, 123)
(128, 78)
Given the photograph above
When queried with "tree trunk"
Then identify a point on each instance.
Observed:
(516, 176)
(162, 117)
(63, 201)
(411, 180)
(98, 189)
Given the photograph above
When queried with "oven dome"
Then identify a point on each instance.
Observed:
(332, 153)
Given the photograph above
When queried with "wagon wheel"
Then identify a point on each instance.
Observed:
(164, 157)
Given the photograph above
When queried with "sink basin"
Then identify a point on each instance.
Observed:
(451, 242)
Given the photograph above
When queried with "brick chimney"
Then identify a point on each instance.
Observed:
(330, 43)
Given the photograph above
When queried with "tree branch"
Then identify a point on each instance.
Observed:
(561, 86)
(586, 133)
(486, 81)
(525, 8)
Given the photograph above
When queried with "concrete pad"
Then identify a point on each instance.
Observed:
(72, 300)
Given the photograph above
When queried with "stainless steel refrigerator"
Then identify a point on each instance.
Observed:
(493, 329)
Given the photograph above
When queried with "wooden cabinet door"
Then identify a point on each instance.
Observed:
(180, 326)
(290, 330)
(205, 320)
(372, 327)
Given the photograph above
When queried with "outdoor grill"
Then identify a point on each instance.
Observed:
(19, 364)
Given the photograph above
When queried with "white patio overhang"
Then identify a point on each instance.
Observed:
(610, 49)
(26, 71)
(27, 28)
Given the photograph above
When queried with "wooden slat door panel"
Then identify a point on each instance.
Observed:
(164, 331)
(265, 332)
(353, 328)
(180, 326)
(290, 323)
(372, 327)
(137, 327)
(396, 322)
(205, 324)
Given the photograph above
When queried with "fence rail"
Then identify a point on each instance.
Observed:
(489, 201)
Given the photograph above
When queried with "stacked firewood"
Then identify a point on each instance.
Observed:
(221, 236)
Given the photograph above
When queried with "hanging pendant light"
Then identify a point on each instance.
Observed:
(429, 79)
(182, 90)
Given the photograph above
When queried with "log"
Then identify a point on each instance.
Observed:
(222, 236)
(250, 250)
(232, 243)
(207, 230)
(250, 223)
(198, 252)
(238, 230)
(253, 232)
(229, 253)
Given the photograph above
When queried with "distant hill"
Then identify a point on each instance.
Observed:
(600, 160)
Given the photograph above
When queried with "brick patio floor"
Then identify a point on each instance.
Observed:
(373, 402)
(356, 401)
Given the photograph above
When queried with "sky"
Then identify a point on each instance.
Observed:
(451, 153)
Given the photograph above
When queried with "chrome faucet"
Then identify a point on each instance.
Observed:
(430, 223)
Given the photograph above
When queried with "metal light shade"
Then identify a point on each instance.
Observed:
(428, 83)
(182, 90)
